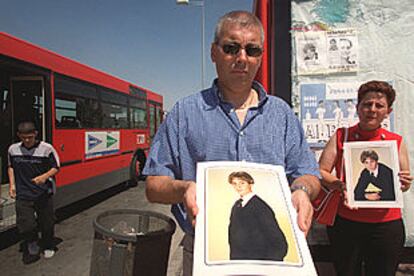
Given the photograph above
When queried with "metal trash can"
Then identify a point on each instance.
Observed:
(7, 214)
(131, 242)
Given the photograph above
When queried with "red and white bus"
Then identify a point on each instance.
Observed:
(100, 125)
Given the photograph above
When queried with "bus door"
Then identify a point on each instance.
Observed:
(27, 104)
(152, 122)
(5, 126)
(155, 118)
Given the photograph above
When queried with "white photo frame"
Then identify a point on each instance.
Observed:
(368, 188)
(215, 199)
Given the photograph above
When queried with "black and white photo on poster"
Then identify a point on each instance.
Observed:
(342, 50)
(325, 52)
(311, 52)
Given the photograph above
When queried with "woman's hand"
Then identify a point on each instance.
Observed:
(341, 186)
(405, 179)
(338, 185)
(346, 201)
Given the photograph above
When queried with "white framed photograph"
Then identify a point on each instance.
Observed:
(246, 224)
(372, 174)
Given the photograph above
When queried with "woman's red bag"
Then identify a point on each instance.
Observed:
(325, 206)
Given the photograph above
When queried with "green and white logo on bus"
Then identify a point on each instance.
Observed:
(101, 143)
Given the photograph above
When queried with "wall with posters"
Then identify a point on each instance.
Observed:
(342, 44)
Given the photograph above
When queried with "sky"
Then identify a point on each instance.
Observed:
(155, 44)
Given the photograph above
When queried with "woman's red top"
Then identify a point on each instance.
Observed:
(371, 215)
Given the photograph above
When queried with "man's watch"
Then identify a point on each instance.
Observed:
(300, 187)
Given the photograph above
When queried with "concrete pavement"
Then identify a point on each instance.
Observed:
(76, 233)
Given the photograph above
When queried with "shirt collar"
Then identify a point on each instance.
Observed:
(246, 198)
(361, 135)
(375, 172)
(35, 145)
(218, 101)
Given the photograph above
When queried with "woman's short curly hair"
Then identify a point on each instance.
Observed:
(377, 86)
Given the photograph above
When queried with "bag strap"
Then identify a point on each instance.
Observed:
(343, 159)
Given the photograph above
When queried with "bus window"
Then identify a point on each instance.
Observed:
(76, 104)
(114, 109)
(138, 113)
(65, 109)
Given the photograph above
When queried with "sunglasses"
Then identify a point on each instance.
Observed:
(234, 48)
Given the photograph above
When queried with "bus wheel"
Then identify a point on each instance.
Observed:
(137, 165)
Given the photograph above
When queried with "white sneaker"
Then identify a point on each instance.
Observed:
(49, 253)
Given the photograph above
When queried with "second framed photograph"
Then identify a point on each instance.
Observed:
(246, 223)
(372, 174)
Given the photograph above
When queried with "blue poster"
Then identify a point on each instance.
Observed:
(324, 107)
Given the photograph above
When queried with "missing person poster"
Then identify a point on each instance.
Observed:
(342, 50)
(325, 52)
(311, 57)
(246, 223)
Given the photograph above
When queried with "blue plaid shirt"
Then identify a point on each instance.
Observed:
(202, 127)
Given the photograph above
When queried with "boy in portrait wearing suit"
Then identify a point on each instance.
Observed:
(254, 233)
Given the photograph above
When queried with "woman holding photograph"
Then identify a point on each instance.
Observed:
(373, 236)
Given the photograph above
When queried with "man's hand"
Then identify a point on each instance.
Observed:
(304, 208)
(372, 196)
(38, 180)
(41, 179)
(165, 190)
(190, 202)
(12, 192)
